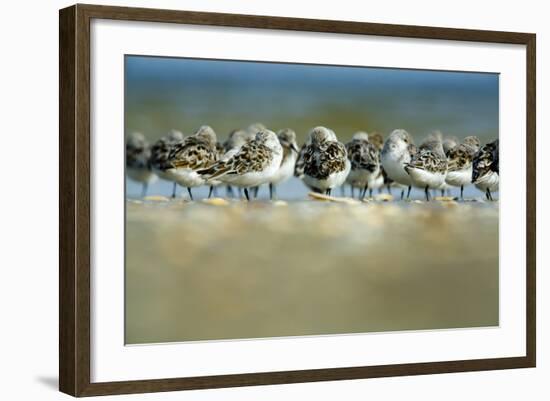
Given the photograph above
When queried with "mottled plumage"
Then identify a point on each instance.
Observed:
(377, 140)
(430, 157)
(195, 152)
(252, 165)
(382, 178)
(236, 139)
(299, 165)
(326, 163)
(485, 172)
(160, 152)
(252, 157)
(428, 167)
(160, 157)
(449, 143)
(325, 159)
(364, 157)
(459, 158)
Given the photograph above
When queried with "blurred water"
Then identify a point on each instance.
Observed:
(166, 93)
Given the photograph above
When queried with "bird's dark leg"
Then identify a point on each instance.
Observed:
(189, 192)
(427, 192)
(144, 190)
(388, 188)
(246, 194)
(174, 190)
(328, 191)
(462, 192)
(352, 191)
(442, 192)
(370, 192)
(409, 192)
(490, 195)
(256, 189)
(271, 190)
(210, 191)
(229, 191)
(402, 194)
(364, 191)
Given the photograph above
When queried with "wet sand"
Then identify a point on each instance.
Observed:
(230, 270)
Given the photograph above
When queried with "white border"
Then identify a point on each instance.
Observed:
(112, 361)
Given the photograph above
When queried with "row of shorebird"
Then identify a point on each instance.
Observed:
(256, 156)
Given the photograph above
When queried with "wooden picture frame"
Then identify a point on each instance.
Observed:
(75, 208)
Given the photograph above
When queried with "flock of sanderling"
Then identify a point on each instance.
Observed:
(256, 156)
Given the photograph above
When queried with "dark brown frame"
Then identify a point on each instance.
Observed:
(74, 199)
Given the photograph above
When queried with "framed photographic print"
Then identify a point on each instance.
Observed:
(250, 200)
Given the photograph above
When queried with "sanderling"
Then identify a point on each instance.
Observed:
(398, 150)
(138, 166)
(450, 142)
(485, 171)
(459, 159)
(160, 157)
(252, 130)
(236, 139)
(428, 167)
(287, 138)
(365, 163)
(381, 179)
(377, 140)
(299, 165)
(252, 165)
(326, 163)
(195, 152)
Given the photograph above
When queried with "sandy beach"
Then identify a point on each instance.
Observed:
(232, 269)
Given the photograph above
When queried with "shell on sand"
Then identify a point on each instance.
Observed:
(322, 197)
(156, 198)
(216, 202)
(383, 197)
(445, 198)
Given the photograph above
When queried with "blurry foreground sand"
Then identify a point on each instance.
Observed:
(228, 269)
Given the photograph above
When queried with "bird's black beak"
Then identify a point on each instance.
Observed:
(294, 148)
